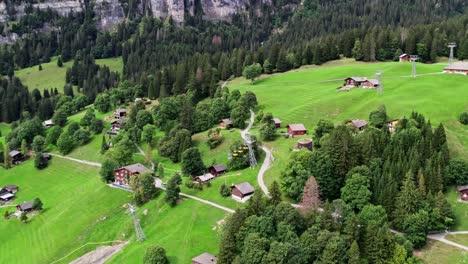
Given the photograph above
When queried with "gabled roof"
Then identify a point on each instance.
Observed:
(25, 206)
(358, 79)
(244, 188)
(277, 120)
(403, 55)
(48, 123)
(374, 81)
(136, 168)
(6, 196)
(358, 123)
(459, 65)
(14, 153)
(219, 167)
(205, 258)
(205, 177)
(462, 188)
(11, 187)
(121, 110)
(226, 121)
(297, 127)
(121, 121)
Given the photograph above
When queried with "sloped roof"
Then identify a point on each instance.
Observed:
(459, 65)
(219, 167)
(121, 110)
(26, 206)
(358, 123)
(277, 120)
(244, 188)
(205, 177)
(403, 55)
(205, 258)
(11, 187)
(227, 121)
(297, 127)
(48, 123)
(137, 168)
(14, 153)
(462, 188)
(374, 81)
(359, 79)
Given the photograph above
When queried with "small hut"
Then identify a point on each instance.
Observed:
(306, 143)
(404, 57)
(277, 122)
(463, 191)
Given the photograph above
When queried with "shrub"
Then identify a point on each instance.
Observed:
(463, 118)
(214, 142)
(224, 190)
(189, 184)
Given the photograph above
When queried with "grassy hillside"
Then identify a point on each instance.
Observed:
(309, 94)
(78, 208)
(4, 129)
(53, 76)
(437, 252)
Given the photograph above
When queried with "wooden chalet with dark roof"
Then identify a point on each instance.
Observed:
(277, 122)
(242, 191)
(122, 175)
(25, 207)
(16, 156)
(358, 124)
(217, 169)
(296, 129)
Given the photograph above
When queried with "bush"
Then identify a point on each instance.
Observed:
(463, 118)
(214, 142)
(189, 184)
(224, 190)
(155, 255)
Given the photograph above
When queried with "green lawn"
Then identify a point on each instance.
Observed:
(460, 239)
(78, 209)
(53, 76)
(436, 252)
(4, 129)
(459, 208)
(308, 95)
(185, 231)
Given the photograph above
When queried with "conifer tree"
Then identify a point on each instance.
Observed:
(275, 193)
(24, 147)
(104, 146)
(7, 162)
(354, 256)
(407, 201)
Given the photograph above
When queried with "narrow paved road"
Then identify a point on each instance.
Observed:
(91, 163)
(441, 237)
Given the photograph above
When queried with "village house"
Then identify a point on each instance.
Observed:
(16, 156)
(8, 196)
(122, 175)
(225, 123)
(205, 258)
(371, 83)
(463, 191)
(46, 156)
(11, 188)
(357, 124)
(392, 125)
(25, 207)
(117, 124)
(354, 81)
(217, 169)
(277, 122)
(460, 67)
(242, 192)
(204, 178)
(120, 113)
(296, 129)
(48, 123)
(404, 57)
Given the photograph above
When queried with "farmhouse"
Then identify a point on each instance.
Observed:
(122, 175)
(205, 258)
(371, 83)
(463, 191)
(7, 197)
(120, 113)
(11, 188)
(277, 122)
(392, 125)
(354, 81)
(357, 124)
(242, 192)
(217, 169)
(117, 124)
(296, 129)
(460, 67)
(46, 156)
(48, 123)
(204, 178)
(16, 156)
(306, 143)
(25, 207)
(404, 57)
(225, 123)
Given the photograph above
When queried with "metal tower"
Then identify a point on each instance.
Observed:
(379, 78)
(413, 59)
(451, 45)
(253, 160)
(138, 230)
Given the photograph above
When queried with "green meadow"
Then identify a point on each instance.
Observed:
(436, 252)
(4, 129)
(53, 76)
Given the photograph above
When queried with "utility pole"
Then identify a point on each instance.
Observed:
(451, 45)
(379, 78)
(138, 230)
(413, 59)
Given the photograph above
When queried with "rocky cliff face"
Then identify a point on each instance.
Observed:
(111, 12)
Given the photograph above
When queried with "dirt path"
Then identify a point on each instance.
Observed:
(441, 238)
(143, 153)
(98, 256)
(90, 163)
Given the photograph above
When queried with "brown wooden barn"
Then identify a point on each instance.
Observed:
(11, 188)
(122, 175)
(225, 123)
(25, 207)
(404, 57)
(16, 156)
(460, 67)
(277, 122)
(357, 124)
(463, 191)
(205, 258)
(204, 178)
(217, 169)
(296, 129)
(242, 192)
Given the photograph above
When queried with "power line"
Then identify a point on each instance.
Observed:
(379, 78)
(138, 230)
(413, 59)
(451, 45)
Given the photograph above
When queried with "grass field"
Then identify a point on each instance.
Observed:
(4, 129)
(53, 76)
(459, 208)
(460, 239)
(437, 253)
(309, 94)
(75, 206)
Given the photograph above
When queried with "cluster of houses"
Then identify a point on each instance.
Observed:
(119, 116)
(7, 193)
